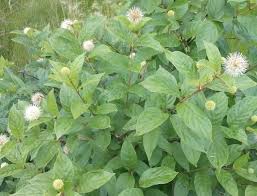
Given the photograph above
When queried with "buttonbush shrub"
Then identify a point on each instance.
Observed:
(158, 100)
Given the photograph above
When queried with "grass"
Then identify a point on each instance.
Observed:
(18, 14)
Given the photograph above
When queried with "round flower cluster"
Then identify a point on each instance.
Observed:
(3, 139)
(235, 64)
(32, 112)
(210, 105)
(58, 184)
(135, 15)
(68, 24)
(37, 98)
(88, 45)
(65, 71)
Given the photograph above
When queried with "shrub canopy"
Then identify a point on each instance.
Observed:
(162, 102)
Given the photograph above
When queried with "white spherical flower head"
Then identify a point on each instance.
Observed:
(88, 45)
(135, 15)
(235, 64)
(3, 164)
(37, 98)
(26, 30)
(3, 139)
(32, 112)
(58, 184)
(67, 24)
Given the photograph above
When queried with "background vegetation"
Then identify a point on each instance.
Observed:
(18, 14)
(160, 101)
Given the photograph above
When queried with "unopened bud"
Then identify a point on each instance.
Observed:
(58, 184)
(210, 105)
(233, 89)
(254, 118)
(250, 170)
(65, 71)
(171, 13)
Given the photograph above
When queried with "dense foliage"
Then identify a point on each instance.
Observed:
(155, 101)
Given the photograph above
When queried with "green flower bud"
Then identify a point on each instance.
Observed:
(250, 170)
(254, 118)
(58, 184)
(249, 129)
(233, 89)
(171, 13)
(210, 105)
(65, 71)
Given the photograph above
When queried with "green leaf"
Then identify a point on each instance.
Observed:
(178, 154)
(227, 181)
(39, 185)
(241, 112)
(217, 115)
(192, 155)
(89, 86)
(161, 82)
(215, 8)
(124, 181)
(65, 44)
(157, 175)
(16, 122)
(99, 122)
(213, 54)
(150, 141)
(62, 125)
(67, 95)
(218, 151)
(202, 184)
(207, 32)
(251, 190)
(63, 167)
(132, 191)
(181, 187)
(93, 180)
(195, 119)
(9, 170)
(103, 139)
(148, 40)
(51, 104)
(78, 107)
(76, 67)
(192, 138)
(241, 168)
(46, 153)
(106, 108)
(244, 82)
(183, 63)
(237, 134)
(128, 155)
(150, 119)
(224, 83)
